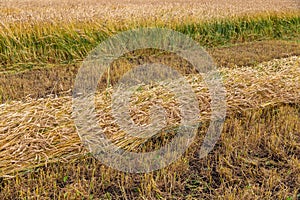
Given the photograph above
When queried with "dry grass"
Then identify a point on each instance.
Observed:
(34, 133)
(118, 11)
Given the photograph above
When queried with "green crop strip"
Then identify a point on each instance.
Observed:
(25, 45)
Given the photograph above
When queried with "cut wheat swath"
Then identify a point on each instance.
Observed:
(36, 132)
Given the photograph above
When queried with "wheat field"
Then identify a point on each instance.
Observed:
(130, 10)
(255, 46)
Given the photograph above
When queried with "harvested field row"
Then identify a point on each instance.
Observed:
(257, 157)
(59, 80)
(136, 10)
(37, 132)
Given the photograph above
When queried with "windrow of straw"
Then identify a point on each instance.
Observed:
(37, 132)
